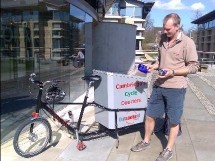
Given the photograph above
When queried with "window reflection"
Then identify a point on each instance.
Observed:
(37, 38)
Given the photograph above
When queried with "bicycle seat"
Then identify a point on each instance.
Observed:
(92, 78)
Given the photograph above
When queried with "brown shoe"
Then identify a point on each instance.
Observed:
(140, 146)
(166, 155)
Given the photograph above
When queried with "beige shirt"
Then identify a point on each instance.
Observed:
(174, 57)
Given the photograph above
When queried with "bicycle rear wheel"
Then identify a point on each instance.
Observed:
(32, 137)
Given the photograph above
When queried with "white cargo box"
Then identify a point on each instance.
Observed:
(120, 91)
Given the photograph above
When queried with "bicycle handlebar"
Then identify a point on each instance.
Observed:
(32, 79)
(92, 78)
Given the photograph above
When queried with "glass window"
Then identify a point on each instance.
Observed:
(17, 17)
(109, 12)
(56, 43)
(56, 33)
(208, 49)
(59, 15)
(123, 12)
(138, 12)
(208, 38)
(139, 33)
(56, 54)
(210, 24)
(110, 21)
(36, 33)
(209, 32)
(213, 22)
(30, 15)
(36, 25)
(77, 13)
(130, 11)
(115, 9)
(56, 25)
(36, 42)
(32, 44)
(88, 18)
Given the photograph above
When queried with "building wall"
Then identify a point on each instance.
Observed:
(130, 15)
(206, 40)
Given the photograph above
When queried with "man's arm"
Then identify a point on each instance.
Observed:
(191, 68)
(154, 66)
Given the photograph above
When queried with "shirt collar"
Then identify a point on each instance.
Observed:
(177, 40)
(179, 37)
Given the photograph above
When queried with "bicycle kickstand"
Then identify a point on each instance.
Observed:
(80, 144)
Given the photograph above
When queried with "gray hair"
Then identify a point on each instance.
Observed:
(175, 17)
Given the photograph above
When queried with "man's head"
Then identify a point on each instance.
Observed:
(171, 25)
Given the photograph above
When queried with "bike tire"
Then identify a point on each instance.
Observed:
(32, 137)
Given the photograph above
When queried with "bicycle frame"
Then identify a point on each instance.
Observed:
(42, 105)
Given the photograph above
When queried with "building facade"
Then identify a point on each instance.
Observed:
(133, 13)
(206, 37)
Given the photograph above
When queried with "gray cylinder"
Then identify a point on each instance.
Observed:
(113, 46)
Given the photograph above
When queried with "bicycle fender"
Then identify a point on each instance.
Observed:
(45, 120)
(39, 117)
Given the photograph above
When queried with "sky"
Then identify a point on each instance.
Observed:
(186, 9)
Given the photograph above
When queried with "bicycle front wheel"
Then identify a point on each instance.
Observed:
(32, 137)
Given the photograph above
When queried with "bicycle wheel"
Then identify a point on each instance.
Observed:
(32, 137)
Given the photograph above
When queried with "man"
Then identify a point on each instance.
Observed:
(79, 59)
(80, 55)
(178, 56)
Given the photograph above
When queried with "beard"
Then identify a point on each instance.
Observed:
(171, 35)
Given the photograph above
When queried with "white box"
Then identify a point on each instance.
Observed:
(120, 91)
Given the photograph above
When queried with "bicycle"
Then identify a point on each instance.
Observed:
(37, 130)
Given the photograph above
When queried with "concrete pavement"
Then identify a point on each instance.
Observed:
(195, 144)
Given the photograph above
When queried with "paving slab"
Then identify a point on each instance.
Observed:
(185, 152)
(204, 87)
(97, 150)
(205, 151)
(201, 131)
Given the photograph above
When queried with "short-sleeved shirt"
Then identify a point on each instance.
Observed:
(80, 55)
(175, 57)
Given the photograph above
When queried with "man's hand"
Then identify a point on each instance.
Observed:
(169, 73)
(152, 67)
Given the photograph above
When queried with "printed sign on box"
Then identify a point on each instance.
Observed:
(120, 91)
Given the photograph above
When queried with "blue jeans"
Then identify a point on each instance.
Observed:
(169, 100)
